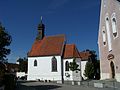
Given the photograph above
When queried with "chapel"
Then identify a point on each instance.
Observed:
(50, 57)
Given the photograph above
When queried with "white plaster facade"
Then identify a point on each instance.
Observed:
(83, 63)
(20, 74)
(43, 70)
(70, 75)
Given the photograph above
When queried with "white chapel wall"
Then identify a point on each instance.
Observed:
(72, 75)
(43, 70)
(83, 63)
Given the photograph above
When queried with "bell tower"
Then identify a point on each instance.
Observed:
(41, 28)
(109, 39)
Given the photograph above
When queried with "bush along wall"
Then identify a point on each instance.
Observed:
(9, 82)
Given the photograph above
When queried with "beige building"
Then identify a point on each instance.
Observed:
(109, 39)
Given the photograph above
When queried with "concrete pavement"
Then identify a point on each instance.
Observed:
(53, 86)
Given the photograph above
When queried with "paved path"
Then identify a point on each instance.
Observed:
(52, 86)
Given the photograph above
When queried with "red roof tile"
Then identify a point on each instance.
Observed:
(11, 66)
(51, 45)
(70, 51)
(84, 55)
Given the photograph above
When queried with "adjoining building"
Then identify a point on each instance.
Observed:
(109, 39)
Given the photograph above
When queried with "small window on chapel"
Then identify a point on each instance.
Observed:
(54, 64)
(66, 66)
(35, 63)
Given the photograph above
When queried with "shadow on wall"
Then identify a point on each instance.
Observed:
(39, 87)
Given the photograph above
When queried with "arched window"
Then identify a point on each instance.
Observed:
(35, 63)
(66, 66)
(108, 33)
(54, 64)
(104, 35)
(114, 27)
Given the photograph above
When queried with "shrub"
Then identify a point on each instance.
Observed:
(89, 70)
(9, 82)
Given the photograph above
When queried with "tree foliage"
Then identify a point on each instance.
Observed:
(89, 70)
(73, 65)
(92, 68)
(5, 41)
(23, 62)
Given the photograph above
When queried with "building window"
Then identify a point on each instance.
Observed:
(35, 63)
(114, 26)
(105, 3)
(104, 35)
(108, 33)
(118, 0)
(66, 66)
(54, 64)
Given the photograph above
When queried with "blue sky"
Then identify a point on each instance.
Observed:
(77, 19)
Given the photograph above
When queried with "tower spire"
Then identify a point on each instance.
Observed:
(41, 28)
(41, 18)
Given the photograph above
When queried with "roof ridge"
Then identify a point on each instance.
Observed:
(55, 35)
(70, 44)
(76, 51)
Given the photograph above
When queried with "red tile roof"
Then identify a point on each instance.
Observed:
(51, 45)
(70, 51)
(84, 55)
(12, 66)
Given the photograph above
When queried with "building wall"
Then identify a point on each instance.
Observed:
(70, 78)
(77, 75)
(43, 70)
(20, 74)
(83, 63)
(108, 8)
(73, 75)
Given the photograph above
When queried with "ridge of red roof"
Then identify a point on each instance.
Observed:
(50, 45)
(70, 51)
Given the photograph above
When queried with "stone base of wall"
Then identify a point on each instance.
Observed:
(99, 85)
(105, 76)
(43, 78)
(117, 76)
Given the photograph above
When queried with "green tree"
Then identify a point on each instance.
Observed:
(92, 68)
(5, 41)
(97, 69)
(23, 62)
(89, 70)
(73, 65)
